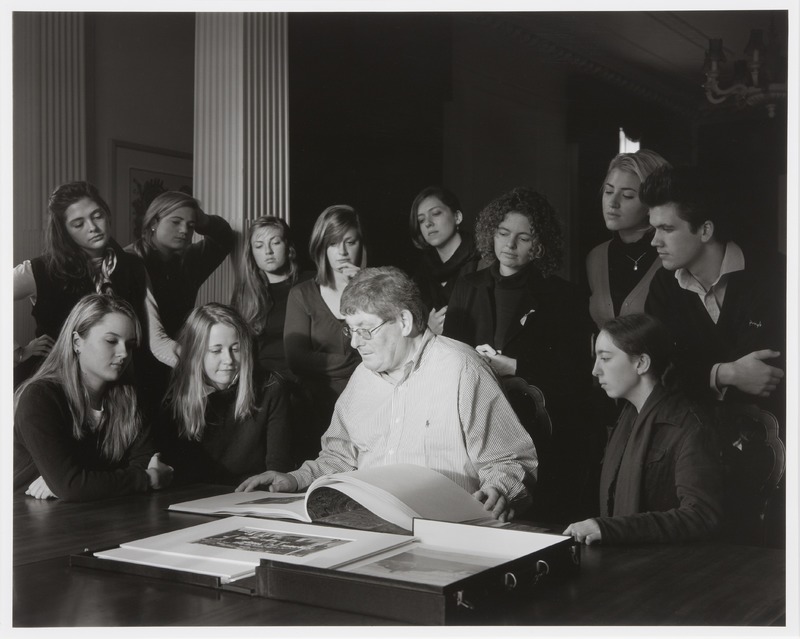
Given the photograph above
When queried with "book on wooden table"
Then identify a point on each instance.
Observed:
(396, 493)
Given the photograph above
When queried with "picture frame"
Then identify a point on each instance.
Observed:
(139, 173)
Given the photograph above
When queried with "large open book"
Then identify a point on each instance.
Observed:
(397, 493)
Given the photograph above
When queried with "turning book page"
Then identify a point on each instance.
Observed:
(400, 492)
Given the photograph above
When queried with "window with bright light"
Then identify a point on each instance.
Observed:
(626, 145)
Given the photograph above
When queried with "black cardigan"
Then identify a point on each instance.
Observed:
(552, 345)
(73, 469)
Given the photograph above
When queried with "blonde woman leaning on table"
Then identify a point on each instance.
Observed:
(78, 432)
(661, 479)
(223, 420)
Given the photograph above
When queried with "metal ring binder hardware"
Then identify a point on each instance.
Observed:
(510, 581)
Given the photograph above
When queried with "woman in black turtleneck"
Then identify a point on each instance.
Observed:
(526, 321)
(619, 271)
(446, 251)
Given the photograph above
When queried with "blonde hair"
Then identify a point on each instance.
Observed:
(161, 206)
(121, 421)
(187, 396)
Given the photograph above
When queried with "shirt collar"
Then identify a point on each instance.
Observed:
(732, 261)
(414, 359)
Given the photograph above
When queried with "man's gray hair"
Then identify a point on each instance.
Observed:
(385, 291)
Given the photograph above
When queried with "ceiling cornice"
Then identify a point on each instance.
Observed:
(506, 24)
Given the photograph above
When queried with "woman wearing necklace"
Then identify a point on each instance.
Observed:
(620, 270)
(446, 252)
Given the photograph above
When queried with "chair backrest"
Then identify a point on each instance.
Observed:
(528, 403)
(754, 459)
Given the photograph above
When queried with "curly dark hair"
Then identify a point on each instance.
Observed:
(544, 226)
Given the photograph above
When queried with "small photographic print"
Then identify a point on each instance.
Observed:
(267, 541)
(427, 565)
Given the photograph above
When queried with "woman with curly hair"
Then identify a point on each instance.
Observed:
(619, 271)
(446, 251)
(223, 420)
(522, 318)
(267, 272)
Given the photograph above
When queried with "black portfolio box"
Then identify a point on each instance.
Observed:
(414, 585)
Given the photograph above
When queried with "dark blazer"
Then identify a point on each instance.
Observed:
(551, 341)
(753, 317)
(661, 478)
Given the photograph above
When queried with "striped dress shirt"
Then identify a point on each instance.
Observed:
(448, 413)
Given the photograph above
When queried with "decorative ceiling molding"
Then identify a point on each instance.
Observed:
(505, 24)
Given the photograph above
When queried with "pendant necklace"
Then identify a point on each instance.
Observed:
(636, 261)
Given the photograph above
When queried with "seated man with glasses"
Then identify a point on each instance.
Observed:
(417, 398)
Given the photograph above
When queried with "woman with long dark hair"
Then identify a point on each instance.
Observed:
(446, 250)
(80, 257)
(268, 270)
(661, 479)
(78, 432)
(224, 421)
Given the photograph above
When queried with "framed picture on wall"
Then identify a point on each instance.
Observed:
(139, 173)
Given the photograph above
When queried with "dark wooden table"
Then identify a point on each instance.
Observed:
(683, 584)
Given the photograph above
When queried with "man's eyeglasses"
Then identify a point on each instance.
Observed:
(363, 333)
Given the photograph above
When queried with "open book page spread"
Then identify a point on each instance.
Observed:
(396, 493)
(234, 546)
(259, 503)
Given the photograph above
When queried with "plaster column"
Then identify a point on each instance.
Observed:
(49, 147)
(241, 129)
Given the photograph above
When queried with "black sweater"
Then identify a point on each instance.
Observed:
(230, 450)
(73, 469)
